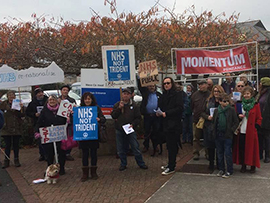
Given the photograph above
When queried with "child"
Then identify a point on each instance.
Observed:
(246, 149)
(225, 123)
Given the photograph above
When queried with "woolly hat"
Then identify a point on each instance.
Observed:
(38, 90)
(265, 81)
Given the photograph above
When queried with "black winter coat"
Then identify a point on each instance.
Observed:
(31, 109)
(93, 144)
(48, 118)
(171, 103)
(266, 112)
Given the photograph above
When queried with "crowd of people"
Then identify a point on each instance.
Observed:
(234, 129)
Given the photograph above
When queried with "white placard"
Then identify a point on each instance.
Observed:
(53, 134)
(128, 129)
(16, 104)
(65, 108)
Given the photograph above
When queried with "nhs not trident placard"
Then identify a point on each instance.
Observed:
(85, 126)
(119, 65)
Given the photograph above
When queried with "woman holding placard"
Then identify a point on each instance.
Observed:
(211, 104)
(11, 132)
(48, 117)
(88, 99)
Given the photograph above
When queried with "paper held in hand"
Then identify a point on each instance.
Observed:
(16, 104)
(158, 111)
(212, 111)
(128, 129)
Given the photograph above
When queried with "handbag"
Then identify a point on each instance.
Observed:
(102, 133)
(238, 128)
(200, 123)
(69, 143)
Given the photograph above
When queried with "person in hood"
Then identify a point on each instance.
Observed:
(33, 111)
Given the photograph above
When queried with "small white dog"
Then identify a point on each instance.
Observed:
(52, 173)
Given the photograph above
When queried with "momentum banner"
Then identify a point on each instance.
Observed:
(197, 61)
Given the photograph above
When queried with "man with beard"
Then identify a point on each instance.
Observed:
(33, 111)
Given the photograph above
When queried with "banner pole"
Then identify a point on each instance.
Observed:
(120, 88)
(55, 152)
(257, 66)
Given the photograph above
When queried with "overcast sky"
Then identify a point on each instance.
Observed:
(80, 9)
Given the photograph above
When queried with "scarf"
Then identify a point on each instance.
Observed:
(53, 109)
(248, 104)
(222, 123)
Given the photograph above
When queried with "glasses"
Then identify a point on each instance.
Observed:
(217, 91)
(166, 83)
(240, 85)
(225, 101)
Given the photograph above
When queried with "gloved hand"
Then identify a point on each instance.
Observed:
(257, 126)
(37, 135)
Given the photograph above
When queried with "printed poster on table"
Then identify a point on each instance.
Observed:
(199, 61)
(65, 108)
(53, 134)
(85, 126)
(148, 72)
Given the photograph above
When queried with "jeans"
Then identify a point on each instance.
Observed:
(85, 156)
(224, 147)
(15, 140)
(187, 128)
(151, 127)
(121, 140)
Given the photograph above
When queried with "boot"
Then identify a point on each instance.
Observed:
(17, 162)
(243, 168)
(85, 175)
(94, 175)
(252, 169)
(6, 163)
(267, 159)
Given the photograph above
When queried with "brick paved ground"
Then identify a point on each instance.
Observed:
(132, 185)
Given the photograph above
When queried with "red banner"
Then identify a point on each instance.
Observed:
(198, 61)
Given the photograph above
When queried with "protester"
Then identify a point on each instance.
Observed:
(11, 132)
(33, 111)
(210, 84)
(229, 84)
(211, 103)
(150, 98)
(171, 106)
(239, 86)
(127, 112)
(187, 121)
(88, 99)
(225, 123)
(243, 77)
(64, 96)
(246, 150)
(264, 132)
(47, 118)
(198, 106)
